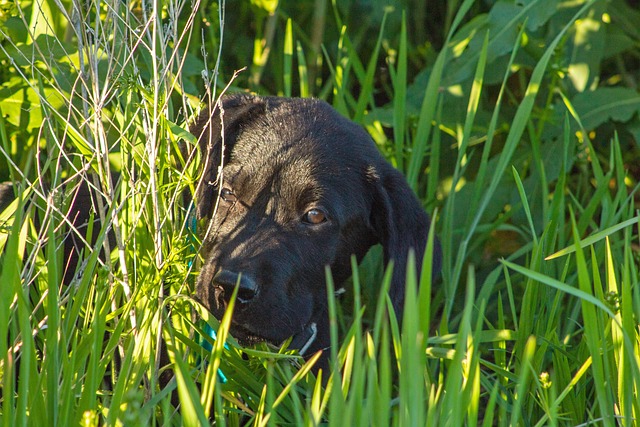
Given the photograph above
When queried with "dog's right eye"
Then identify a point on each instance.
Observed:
(228, 195)
(314, 216)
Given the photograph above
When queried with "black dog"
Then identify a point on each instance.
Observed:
(291, 186)
(288, 187)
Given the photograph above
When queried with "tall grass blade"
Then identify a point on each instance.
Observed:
(594, 238)
(592, 326)
(525, 204)
(429, 103)
(303, 75)
(400, 96)
(288, 59)
(367, 84)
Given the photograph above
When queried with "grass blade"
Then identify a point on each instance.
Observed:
(594, 238)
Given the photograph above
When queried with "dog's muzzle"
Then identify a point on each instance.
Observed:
(303, 339)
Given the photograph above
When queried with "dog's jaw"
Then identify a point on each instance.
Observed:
(304, 339)
(244, 334)
(301, 341)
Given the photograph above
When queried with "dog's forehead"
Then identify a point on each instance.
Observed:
(301, 149)
(302, 139)
(291, 167)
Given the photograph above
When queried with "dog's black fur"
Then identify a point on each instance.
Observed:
(291, 186)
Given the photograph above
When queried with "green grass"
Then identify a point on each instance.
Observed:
(534, 320)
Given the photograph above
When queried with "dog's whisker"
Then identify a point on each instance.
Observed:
(313, 328)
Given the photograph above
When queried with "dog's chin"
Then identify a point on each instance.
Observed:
(245, 334)
(245, 337)
(300, 340)
(248, 336)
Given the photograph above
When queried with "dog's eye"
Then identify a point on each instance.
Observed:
(314, 216)
(228, 195)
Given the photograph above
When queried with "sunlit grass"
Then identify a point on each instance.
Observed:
(547, 336)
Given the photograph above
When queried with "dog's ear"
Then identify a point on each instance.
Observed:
(217, 129)
(401, 225)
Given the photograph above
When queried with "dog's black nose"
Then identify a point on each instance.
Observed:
(247, 288)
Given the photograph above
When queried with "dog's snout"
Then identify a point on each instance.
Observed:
(228, 280)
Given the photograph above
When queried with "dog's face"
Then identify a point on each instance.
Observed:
(296, 188)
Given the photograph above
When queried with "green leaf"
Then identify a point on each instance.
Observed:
(179, 132)
(594, 238)
(503, 25)
(605, 104)
(268, 6)
(288, 59)
(550, 281)
(21, 103)
(587, 48)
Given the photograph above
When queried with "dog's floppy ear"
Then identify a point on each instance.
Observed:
(401, 225)
(217, 129)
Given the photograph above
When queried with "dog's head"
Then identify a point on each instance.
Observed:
(291, 186)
